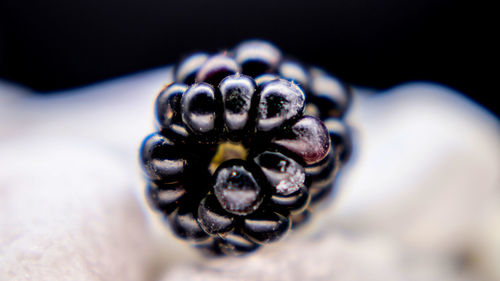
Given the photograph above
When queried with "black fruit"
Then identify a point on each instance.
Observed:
(248, 145)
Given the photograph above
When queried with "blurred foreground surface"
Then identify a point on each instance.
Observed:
(420, 199)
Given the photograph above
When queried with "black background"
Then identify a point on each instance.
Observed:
(52, 45)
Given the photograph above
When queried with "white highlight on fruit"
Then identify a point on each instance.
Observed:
(295, 178)
(237, 196)
(187, 67)
(329, 87)
(290, 97)
(291, 178)
(258, 49)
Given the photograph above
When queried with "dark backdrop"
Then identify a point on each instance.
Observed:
(51, 45)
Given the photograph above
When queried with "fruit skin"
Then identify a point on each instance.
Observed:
(184, 224)
(252, 98)
(216, 68)
(284, 174)
(199, 108)
(213, 219)
(323, 174)
(301, 218)
(329, 94)
(295, 202)
(237, 187)
(322, 179)
(263, 79)
(161, 159)
(308, 139)
(266, 226)
(257, 57)
(164, 197)
(238, 93)
(279, 101)
(168, 110)
(293, 71)
(341, 136)
(186, 71)
(236, 244)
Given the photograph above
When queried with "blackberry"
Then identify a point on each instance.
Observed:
(248, 144)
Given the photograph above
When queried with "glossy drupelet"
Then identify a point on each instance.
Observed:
(248, 143)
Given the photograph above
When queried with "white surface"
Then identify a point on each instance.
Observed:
(68, 212)
(418, 196)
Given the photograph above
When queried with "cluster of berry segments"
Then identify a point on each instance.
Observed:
(248, 143)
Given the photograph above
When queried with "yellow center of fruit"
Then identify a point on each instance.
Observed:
(226, 151)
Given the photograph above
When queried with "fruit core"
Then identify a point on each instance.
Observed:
(227, 151)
